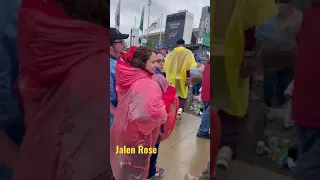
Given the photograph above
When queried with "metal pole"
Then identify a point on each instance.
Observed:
(149, 4)
(160, 27)
(135, 21)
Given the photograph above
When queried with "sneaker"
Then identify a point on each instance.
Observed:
(191, 108)
(189, 177)
(204, 136)
(158, 175)
(180, 111)
(224, 158)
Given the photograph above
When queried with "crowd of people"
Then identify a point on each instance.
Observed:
(159, 82)
(53, 117)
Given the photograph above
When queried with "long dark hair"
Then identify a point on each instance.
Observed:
(94, 11)
(140, 57)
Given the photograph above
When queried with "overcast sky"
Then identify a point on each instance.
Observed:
(131, 8)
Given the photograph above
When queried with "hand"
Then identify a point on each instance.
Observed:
(188, 82)
(248, 67)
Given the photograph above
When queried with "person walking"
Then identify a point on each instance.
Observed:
(277, 38)
(177, 67)
(198, 70)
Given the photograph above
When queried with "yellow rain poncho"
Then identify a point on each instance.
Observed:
(177, 63)
(232, 92)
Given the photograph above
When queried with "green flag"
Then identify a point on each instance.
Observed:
(142, 18)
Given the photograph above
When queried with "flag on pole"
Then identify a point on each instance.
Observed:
(117, 16)
(154, 25)
(141, 21)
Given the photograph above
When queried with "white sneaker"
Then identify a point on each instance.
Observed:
(224, 157)
(179, 114)
(189, 177)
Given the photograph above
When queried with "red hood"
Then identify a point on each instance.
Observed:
(126, 75)
(49, 43)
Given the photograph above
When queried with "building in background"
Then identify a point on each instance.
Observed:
(178, 26)
(134, 37)
(203, 39)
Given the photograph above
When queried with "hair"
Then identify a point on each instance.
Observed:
(180, 42)
(140, 57)
(88, 10)
(157, 52)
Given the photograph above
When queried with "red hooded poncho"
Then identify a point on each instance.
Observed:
(141, 119)
(305, 97)
(63, 64)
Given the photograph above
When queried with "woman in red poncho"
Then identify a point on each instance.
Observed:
(144, 117)
(63, 56)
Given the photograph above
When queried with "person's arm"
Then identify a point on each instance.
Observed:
(113, 95)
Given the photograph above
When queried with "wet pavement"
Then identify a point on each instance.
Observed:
(183, 152)
(253, 130)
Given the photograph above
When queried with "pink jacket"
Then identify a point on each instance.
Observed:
(205, 93)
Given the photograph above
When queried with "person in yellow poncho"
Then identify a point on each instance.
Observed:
(177, 67)
(231, 94)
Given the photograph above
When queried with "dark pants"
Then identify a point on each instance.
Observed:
(230, 127)
(5, 173)
(153, 162)
(182, 102)
(278, 81)
(308, 166)
(196, 88)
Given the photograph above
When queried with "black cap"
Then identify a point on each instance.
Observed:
(116, 35)
(180, 41)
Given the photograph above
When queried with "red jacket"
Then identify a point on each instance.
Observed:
(306, 98)
(205, 93)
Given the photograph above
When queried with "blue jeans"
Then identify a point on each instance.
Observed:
(205, 120)
(153, 163)
(308, 166)
(196, 88)
(279, 81)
